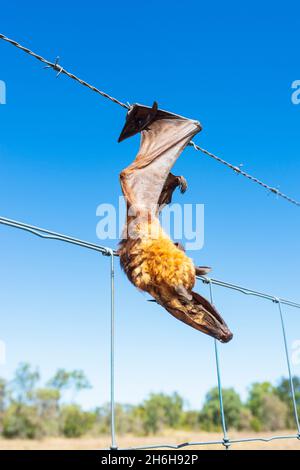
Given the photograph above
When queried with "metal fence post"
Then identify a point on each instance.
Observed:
(226, 441)
(292, 388)
(113, 445)
(51, 235)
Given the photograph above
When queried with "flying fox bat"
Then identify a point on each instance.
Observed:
(152, 262)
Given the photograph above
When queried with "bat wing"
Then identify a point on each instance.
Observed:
(163, 138)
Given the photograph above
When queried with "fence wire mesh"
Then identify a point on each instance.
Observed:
(224, 440)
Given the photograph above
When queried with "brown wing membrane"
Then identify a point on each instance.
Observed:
(162, 141)
(155, 264)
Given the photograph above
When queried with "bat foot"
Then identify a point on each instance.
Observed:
(182, 183)
(202, 270)
(183, 294)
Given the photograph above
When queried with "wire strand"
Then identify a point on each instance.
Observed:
(239, 171)
(61, 70)
(49, 234)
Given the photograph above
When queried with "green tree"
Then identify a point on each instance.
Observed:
(75, 421)
(283, 391)
(161, 410)
(24, 383)
(3, 394)
(256, 393)
(3, 401)
(246, 420)
(210, 415)
(75, 381)
(191, 420)
(274, 413)
(268, 410)
(21, 420)
(127, 420)
(60, 381)
(47, 406)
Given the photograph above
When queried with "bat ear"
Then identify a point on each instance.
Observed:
(155, 107)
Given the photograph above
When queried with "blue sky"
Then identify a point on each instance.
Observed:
(229, 65)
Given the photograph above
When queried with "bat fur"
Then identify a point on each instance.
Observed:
(152, 262)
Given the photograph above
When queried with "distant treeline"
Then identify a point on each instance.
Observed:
(30, 411)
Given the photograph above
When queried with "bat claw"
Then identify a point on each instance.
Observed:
(179, 246)
(182, 183)
(202, 270)
(183, 294)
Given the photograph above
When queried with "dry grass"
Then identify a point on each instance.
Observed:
(91, 443)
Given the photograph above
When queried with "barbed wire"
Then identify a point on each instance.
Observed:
(61, 70)
(239, 171)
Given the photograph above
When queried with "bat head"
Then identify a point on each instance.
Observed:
(197, 312)
(138, 119)
(211, 322)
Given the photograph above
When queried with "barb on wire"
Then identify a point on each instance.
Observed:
(237, 169)
(56, 66)
(61, 70)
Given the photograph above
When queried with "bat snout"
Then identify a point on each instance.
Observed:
(215, 326)
(211, 322)
(129, 130)
(138, 118)
(225, 336)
